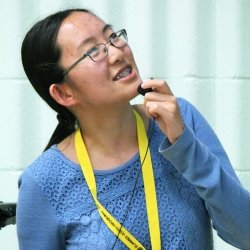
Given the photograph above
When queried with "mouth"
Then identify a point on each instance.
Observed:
(122, 73)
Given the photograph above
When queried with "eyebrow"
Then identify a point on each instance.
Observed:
(105, 28)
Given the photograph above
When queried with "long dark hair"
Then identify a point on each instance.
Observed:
(40, 57)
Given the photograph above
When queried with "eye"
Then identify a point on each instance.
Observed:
(118, 39)
(113, 36)
(97, 52)
(92, 51)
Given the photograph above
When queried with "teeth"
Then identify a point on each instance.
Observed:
(124, 73)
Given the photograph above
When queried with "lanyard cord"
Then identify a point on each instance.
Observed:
(149, 187)
(134, 188)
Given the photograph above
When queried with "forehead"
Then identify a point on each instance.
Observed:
(82, 20)
(79, 25)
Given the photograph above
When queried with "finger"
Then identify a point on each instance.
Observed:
(153, 100)
(156, 108)
(168, 117)
(160, 97)
(157, 85)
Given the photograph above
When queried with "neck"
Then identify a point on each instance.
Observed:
(110, 137)
(109, 130)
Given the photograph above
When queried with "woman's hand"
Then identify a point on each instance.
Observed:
(162, 104)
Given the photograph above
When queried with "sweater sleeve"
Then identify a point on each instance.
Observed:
(37, 225)
(200, 158)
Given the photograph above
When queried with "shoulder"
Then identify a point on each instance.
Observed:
(184, 105)
(187, 108)
(41, 165)
(191, 115)
(49, 167)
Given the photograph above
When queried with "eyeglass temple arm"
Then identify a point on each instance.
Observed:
(65, 72)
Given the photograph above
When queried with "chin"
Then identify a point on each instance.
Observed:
(134, 93)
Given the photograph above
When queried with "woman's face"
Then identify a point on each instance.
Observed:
(113, 79)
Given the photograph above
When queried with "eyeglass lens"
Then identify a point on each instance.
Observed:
(118, 39)
(100, 51)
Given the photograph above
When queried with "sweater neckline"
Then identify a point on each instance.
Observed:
(118, 168)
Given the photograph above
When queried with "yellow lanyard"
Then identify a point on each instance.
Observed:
(149, 186)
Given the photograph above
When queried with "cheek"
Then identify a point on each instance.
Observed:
(128, 51)
(90, 81)
(130, 54)
(89, 75)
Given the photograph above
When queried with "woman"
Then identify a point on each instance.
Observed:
(100, 184)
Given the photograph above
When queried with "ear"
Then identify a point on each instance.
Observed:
(62, 94)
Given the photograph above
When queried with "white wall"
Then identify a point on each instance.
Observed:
(202, 48)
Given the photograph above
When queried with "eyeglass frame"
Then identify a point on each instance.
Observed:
(87, 54)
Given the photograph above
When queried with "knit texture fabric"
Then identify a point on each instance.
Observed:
(56, 211)
(62, 182)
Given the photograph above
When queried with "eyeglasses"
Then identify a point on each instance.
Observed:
(100, 51)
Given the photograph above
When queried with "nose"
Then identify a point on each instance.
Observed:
(115, 54)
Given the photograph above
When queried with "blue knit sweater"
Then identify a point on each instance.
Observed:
(194, 180)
